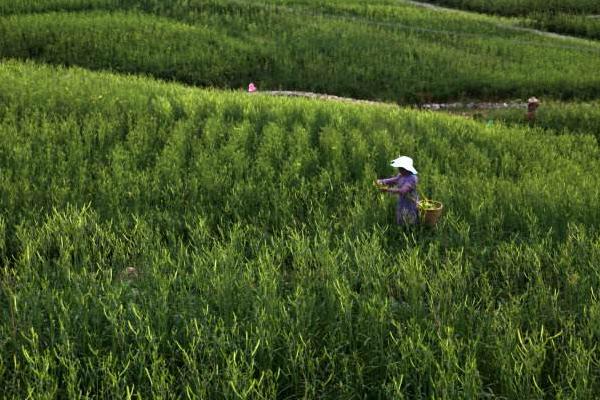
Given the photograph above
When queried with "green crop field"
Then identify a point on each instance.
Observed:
(164, 234)
(556, 117)
(572, 17)
(523, 7)
(392, 53)
(579, 25)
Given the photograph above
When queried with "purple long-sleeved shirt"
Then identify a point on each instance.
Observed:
(406, 189)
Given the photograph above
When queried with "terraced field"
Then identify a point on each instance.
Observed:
(395, 53)
(522, 7)
(164, 234)
(573, 17)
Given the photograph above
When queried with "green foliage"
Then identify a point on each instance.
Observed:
(524, 7)
(556, 117)
(379, 51)
(168, 242)
(570, 17)
(578, 25)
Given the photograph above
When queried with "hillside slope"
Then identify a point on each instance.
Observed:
(161, 240)
(393, 52)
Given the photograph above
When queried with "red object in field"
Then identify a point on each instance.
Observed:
(251, 88)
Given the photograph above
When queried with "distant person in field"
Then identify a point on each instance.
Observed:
(532, 105)
(404, 185)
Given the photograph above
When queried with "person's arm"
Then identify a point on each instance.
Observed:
(387, 181)
(408, 185)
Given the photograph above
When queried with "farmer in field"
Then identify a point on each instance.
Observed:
(405, 186)
(532, 105)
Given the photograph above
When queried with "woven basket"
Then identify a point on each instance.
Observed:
(430, 216)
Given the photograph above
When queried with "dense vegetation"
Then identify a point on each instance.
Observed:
(377, 52)
(167, 241)
(161, 241)
(578, 25)
(575, 17)
(557, 117)
(524, 7)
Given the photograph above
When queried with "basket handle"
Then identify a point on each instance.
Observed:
(422, 196)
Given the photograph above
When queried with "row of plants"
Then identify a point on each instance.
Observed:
(572, 17)
(384, 53)
(577, 25)
(524, 7)
(576, 18)
(557, 117)
(165, 241)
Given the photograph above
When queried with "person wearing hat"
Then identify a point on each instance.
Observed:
(405, 186)
(532, 105)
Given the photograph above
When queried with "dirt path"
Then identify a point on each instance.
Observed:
(321, 96)
(455, 106)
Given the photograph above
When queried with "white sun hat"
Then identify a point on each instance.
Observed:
(404, 162)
